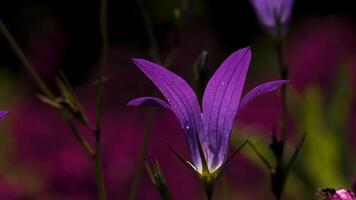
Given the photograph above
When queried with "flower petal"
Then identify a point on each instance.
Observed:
(220, 104)
(285, 10)
(181, 99)
(149, 101)
(264, 10)
(268, 10)
(343, 194)
(3, 114)
(260, 90)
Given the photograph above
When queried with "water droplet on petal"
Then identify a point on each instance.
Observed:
(187, 126)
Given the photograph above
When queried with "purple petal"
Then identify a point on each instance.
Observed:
(182, 101)
(260, 90)
(264, 11)
(285, 10)
(149, 101)
(268, 10)
(3, 114)
(220, 103)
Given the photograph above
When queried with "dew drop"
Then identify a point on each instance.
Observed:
(187, 126)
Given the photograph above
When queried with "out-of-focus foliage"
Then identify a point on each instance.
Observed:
(325, 160)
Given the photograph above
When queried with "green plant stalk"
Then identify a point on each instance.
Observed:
(100, 99)
(158, 180)
(225, 187)
(150, 33)
(99, 170)
(140, 163)
(280, 172)
(26, 63)
(283, 69)
(103, 61)
(83, 143)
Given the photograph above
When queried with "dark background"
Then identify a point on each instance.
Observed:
(234, 22)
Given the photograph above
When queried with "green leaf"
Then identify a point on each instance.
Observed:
(322, 150)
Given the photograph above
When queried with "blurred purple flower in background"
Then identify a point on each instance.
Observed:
(221, 103)
(273, 14)
(3, 114)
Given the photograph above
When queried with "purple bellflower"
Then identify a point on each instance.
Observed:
(273, 14)
(208, 130)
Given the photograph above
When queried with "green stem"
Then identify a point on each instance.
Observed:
(226, 193)
(26, 63)
(100, 101)
(139, 165)
(99, 170)
(151, 36)
(83, 143)
(283, 69)
(103, 60)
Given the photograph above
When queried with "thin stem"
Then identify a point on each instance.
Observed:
(99, 170)
(100, 101)
(151, 36)
(83, 143)
(283, 69)
(260, 156)
(26, 63)
(102, 61)
(226, 193)
(279, 176)
(139, 166)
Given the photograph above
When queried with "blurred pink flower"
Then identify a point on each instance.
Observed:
(342, 194)
(317, 47)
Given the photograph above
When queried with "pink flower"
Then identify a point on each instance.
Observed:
(341, 194)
